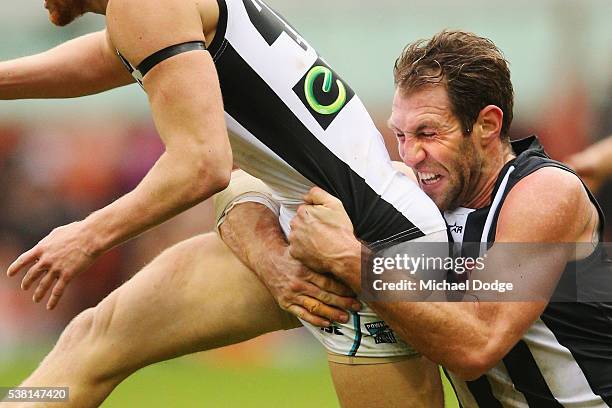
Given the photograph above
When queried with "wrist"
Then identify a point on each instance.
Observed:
(347, 265)
(95, 240)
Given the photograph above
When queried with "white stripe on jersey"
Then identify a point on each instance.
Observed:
(493, 211)
(503, 389)
(260, 161)
(463, 392)
(287, 185)
(560, 370)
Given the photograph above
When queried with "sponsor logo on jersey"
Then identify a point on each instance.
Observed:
(323, 93)
(381, 332)
(456, 228)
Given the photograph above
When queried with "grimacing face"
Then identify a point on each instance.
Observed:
(432, 142)
(63, 12)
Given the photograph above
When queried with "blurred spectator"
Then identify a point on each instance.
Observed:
(594, 164)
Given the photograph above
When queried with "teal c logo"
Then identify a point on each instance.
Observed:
(323, 93)
(309, 85)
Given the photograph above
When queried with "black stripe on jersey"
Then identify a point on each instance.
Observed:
(215, 46)
(253, 104)
(482, 393)
(357, 340)
(594, 354)
(473, 228)
(269, 23)
(152, 60)
(527, 377)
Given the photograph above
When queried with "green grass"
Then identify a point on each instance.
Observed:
(192, 382)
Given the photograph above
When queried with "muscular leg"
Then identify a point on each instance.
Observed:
(195, 296)
(411, 383)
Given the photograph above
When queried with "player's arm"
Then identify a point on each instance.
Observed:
(185, 99)
(248, 223)
(83, 66)
(467, 338)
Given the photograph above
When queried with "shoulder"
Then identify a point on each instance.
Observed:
(549, 205)
(138, 28)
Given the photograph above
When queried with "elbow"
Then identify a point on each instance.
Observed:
(214, 172)
(474, 363)
(470, 368)
(217, 180)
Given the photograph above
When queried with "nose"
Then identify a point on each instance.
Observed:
(412, 152)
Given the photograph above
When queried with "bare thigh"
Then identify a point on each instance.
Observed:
(411, 383)
(194, 296)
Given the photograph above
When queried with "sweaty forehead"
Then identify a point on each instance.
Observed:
(429, 106)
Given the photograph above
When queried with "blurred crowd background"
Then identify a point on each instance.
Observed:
(60, 160)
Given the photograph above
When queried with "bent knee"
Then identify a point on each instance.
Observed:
(77, 331)
(89, 328)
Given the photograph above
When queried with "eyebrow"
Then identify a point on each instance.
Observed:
(423, 125)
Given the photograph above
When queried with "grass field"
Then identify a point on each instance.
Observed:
(194, 382)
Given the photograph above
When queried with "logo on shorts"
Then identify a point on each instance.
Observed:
(323, 93)
(381, 332)
(332, 330)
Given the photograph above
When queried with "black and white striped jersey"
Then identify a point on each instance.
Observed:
(565, 358)
(294, 123)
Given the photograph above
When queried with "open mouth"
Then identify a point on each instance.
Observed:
(429, 178)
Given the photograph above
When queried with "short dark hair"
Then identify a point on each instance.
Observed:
(472, 68)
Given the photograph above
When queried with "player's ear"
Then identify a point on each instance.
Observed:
(489, 124)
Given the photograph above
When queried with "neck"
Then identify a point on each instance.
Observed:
(96, 6)
(483, 191)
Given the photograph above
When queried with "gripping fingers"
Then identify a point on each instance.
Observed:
(333, 293)
(335, 300)
(318, 308)
(43, 286)
(305, 315)
(328, 283)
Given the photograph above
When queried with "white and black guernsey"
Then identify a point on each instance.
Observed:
(294, 123)
(565, 358)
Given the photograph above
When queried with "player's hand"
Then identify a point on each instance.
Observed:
(316, 298)
(53, 262)
(322, 234)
